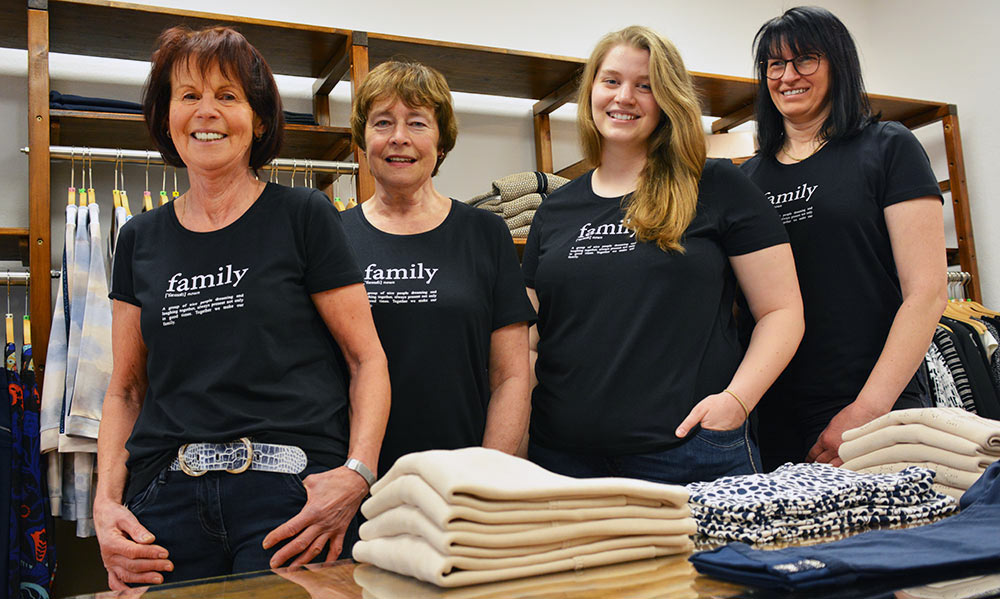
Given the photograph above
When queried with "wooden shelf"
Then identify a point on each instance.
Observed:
(128, 131)
(480, 69)
(111, 29)
(14, 244)
(14, 25)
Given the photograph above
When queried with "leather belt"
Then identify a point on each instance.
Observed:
(195, 459)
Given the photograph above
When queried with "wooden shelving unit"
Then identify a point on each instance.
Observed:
(14, 244)
(106, 28)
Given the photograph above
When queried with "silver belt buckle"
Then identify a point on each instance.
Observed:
(186, 469)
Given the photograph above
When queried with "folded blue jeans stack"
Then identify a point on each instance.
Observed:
(952, 547)
(801, 501)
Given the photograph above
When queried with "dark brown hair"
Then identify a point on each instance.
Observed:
(418, 86)
(238, 60)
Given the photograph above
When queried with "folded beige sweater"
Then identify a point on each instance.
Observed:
(408, 520)
(412, 556)
(918, 434)
(943, 475)
(920, 453)
(660, 577)
(520, 232)
(410, 489)
(520, 184)
(982, 431)
(520, 220)
(492, 475)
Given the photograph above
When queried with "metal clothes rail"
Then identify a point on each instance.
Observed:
(151, 158)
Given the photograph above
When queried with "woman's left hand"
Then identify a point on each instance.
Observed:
(719, 412)
(333, 498)
(827, 445)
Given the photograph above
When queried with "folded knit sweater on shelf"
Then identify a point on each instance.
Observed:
(516, 197)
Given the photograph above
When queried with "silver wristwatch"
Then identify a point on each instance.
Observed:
(359, 467)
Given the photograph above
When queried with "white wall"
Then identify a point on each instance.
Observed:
(911, 48)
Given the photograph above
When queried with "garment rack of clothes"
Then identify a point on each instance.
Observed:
(963, 360)
(150, 157)
(957, 282)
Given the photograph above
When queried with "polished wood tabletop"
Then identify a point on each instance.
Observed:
(672, 577)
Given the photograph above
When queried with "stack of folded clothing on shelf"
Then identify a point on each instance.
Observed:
(672, 577)
(475, 515)
(957, 445)
(299, 118)
(70, 102)
(802, 501)
(516, 197)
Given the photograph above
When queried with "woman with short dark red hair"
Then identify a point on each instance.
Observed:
(229, 441)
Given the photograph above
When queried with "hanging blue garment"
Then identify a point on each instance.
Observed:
(6, 465)
(37, 551)
(942, 550)
(14, 393)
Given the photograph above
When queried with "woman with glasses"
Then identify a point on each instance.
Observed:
(863, 211)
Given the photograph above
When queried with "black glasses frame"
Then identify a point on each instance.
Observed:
(794, 62)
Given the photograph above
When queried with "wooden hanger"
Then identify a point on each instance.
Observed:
(958, 311)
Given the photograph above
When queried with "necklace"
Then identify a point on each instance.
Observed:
(796, 159)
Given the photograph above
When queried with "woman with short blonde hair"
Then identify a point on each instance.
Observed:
(442, 277)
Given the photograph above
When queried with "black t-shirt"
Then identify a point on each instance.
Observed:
(832, 205)
(436, 298)
(236, 346)
(631, 336)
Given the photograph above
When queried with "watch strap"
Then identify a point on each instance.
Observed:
(359, 467)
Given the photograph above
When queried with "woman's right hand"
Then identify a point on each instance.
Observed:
(127, 548)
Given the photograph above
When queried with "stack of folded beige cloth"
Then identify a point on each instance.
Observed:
(475, 515)
(516, 197)
(956, 444)
(672, 577)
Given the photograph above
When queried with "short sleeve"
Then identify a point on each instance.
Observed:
(747, 221)
(529, 259)
(122, 284)
(329, 259)
(908, 174)
(510, 299)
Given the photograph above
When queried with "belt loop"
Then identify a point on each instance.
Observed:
(161, 478)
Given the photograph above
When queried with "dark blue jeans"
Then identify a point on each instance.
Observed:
(214, 524)
(707, 455)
